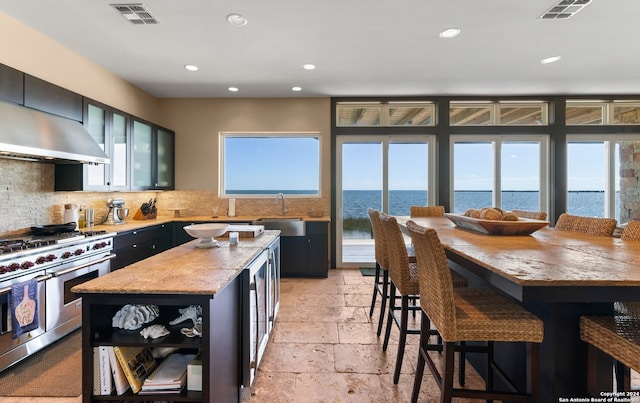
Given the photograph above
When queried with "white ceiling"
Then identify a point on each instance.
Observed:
(360, 47)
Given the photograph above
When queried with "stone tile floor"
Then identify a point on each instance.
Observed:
(325, 349)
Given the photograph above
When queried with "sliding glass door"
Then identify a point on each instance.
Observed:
(387, 173)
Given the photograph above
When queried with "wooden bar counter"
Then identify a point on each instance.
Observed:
(558, 275)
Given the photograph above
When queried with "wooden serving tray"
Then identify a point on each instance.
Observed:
(523, 226)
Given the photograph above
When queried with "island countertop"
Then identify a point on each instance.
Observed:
(184, 269)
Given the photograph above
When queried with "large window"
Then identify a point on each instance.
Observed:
(601, 175)
(270, 163)
(501, 171)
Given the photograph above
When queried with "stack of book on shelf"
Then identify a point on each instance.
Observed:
(169, 377)
(136, 363)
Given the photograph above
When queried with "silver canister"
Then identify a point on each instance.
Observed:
(233, 238)
(90, 217)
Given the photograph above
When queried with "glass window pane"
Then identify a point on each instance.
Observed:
(473, 175)
(358, 115)
(408, 176)
(626, 114)
(585, 114)
(361, 187)
(520, 176)
(466, 115)
(410, 115)
(525, 115)
(586, 178)
(291, 165)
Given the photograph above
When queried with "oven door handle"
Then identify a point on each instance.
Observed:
(39, 279)
(82, 266)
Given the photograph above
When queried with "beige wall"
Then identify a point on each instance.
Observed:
(198, 123)
(26, 188)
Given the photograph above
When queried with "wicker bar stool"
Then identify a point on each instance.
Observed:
(468, 314)
(381, 281)
(426, 211)
(619, 337)
(403, 282)
(588, 225)
(534, 215)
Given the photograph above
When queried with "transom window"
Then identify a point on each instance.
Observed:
(387, 114)
(270, 163)
(486, 113)
(585, 112)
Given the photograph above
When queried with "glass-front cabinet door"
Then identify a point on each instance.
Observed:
(119, 178)
(142, 155)
(164, 162)
(96, 176)
(153, 157)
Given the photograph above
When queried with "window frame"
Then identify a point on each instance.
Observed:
(271, 134)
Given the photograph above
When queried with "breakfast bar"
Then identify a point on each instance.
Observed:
(559, 276)
(218, 279)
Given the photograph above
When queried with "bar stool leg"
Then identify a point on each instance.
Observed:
(425, 333)
(385, 297)
(392, 308)
(404, 318)
(448, 350)
(376, 282)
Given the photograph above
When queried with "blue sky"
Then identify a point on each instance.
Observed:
(297, 169)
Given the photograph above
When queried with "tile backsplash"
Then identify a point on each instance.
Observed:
(27, 198)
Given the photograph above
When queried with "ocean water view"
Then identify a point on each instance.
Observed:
(356, 202)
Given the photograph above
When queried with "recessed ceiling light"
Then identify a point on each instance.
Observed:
(237, 20)
(551, 59)
(309, 66)
(296, 89)
(450, 33)
(191, 67)
(233, 89)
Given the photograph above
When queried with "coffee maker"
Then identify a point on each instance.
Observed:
(117, 212)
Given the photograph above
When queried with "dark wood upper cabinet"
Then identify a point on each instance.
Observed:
(47, 97)
(11, 84)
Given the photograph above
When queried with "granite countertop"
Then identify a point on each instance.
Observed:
(184, 269)
(132, 224)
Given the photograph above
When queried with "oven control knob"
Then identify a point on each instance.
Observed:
(41, 260)
(99, 245)
(51, 257)
(3, 269)
(26, 265)
(66, 255)
(13, 267)
(78, 252)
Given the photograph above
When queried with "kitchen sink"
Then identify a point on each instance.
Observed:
(288, 226)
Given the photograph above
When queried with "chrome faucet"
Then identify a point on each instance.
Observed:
(282, 209)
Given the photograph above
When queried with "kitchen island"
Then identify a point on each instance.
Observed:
(222, 280)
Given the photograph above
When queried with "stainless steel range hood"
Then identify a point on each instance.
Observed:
(38, 136)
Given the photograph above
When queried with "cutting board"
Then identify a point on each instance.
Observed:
(246, 231)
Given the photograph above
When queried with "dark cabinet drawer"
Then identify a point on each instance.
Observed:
(132, 246)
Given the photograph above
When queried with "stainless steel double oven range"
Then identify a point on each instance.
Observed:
(56, 262)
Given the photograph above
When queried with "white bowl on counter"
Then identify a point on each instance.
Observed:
(206, 233)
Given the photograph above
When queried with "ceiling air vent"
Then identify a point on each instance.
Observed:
(564, 9)
(136, 13)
